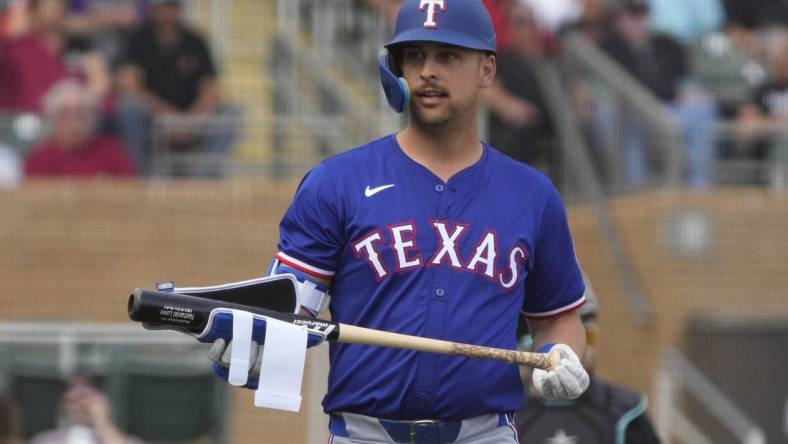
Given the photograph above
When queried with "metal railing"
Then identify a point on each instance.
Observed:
(752, 156)
(326, 63)
(113, 352)
(283, 145)
(677, 373)
(73, 347)
(588, 187)
(345, 33)
(215, 17)
(617, 111)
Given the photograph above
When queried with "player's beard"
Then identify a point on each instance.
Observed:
(432, 118)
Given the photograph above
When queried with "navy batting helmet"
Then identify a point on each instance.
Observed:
(464, 23)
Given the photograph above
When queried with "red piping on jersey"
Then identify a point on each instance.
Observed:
(304, 269)
(558, 314)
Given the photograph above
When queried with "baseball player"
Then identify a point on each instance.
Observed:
(431, 232)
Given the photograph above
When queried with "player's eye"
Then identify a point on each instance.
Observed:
(413, 55)
(448, 56)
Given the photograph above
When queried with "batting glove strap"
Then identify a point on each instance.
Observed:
(220, 325)
(219, 333)
(224, 373)
(567, 381)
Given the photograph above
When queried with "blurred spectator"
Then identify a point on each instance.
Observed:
(519, 125)
(500, 10)
(10, 168)
(746, 17)
(13, 19)
(105, 22)
(594, 20)
(659, 63)
(769, 107)
(553, 15)
(74, 148)
(687, 20)
(168, 71)
(82, 16)
(754, 14)
(86, 16)
(86, 418)
(9, 433)
(32, 62)
(605, 413)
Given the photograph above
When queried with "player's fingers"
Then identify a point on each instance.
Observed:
(569, 383)
(226, 355)
(558, 389)
(253, 356)
(537, 378)
(257, 362)
(548, 391)
(580, 374)
(216, 350)
(228, 352)
(567, 352)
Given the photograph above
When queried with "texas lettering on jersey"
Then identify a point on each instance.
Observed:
(401, 238)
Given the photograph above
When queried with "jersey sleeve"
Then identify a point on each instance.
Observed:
(554, 285)
(310, 234)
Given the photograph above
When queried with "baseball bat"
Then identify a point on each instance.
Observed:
(190, 314)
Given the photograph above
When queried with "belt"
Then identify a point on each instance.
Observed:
(426, 431)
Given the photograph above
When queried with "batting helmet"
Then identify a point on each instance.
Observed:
(464, 23)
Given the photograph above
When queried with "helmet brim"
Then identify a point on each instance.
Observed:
(444, 36)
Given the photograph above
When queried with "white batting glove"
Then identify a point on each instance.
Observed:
(567, 381)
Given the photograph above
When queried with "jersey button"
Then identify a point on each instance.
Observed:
(439, 188)
(422, 400)
(439, 292)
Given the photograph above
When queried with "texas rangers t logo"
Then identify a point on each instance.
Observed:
(430, 6)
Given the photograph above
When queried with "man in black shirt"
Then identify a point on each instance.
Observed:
(767, 109)
(519, 124)
(168, 71)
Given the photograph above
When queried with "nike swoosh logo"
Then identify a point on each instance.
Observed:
(369, 192)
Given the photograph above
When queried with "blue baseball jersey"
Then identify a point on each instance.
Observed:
(408, 253)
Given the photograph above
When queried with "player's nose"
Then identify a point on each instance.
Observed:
(429, 68)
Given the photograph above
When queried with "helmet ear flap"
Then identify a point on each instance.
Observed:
(394, 86)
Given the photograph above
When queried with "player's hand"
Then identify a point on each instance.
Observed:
(567, 381)
(518, 113)
(221, 351)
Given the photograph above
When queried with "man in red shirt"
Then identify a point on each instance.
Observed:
(32, 62)
(74, 148)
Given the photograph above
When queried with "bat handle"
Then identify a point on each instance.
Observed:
(554, 357)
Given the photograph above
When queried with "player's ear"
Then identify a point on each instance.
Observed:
(488, 68)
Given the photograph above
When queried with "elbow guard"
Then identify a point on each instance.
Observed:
(312, 296)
